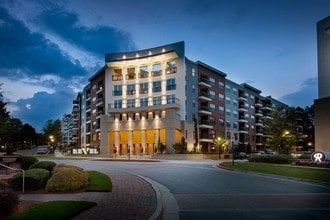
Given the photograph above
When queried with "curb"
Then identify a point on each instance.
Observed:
(225, 168)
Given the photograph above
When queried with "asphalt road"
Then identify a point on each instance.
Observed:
(204, 191)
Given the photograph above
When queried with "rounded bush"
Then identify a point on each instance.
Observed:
(34, 179)
(8, 201)
(26, 161)
(3, 185)
(269, 159)
(67, 179)
(47, 165)
(61, 166)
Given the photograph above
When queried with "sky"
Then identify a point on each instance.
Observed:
(49, 49)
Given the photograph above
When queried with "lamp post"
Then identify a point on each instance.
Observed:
(219, 139)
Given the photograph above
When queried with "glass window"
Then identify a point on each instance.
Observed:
(170, 99)
(212, 80)
(212, 94)
(131, 89)
(221, 109)
(156, 86)
(212, 107)
(156, 70)
(193, 72)
(117, 90)
(144, 102)
(130, 73)
(143, 88)
(170, 84)
(130, 103)
(117, 75)
(171, 67)
(221, 97)
(144, 72)
(157, 100)
(117, 103)
(221, 85)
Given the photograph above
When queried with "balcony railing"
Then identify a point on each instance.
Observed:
(117, 77)
(170, 102)
(171, 70)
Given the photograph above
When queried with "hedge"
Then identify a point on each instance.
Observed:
(34, 179)
(3, 185)
(26, 161)
(47, 165)
(269, 159)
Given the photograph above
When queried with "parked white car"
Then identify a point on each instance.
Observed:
(43, 149)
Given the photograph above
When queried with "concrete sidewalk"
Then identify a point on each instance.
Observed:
(132, 197)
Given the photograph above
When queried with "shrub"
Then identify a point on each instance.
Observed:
(67, 179)
(324, 164)
(3, 185)
(26, 161)
(47, 165)
(269, 159)
(59, 167)
(8, 202)
(34, 179)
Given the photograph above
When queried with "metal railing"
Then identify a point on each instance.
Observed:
(15, 169)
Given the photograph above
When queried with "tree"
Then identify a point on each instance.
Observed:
(280, 130)
(4, 116)
(52, 131)
(221, 143)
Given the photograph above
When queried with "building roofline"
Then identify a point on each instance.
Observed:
(251, 87)
(97, 73)
(177, 47)
(211, 68)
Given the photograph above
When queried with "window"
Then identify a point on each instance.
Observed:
(228, 124)
(227, 100)
(144, 72)
(171, 67)
(130, 103)
(221, 97)
(170, 84)
(117, 75)
(117, 103)
(143, 88)
(170, 99)
(212, 81)
(117, 90)
(130, 73)
(193, 88)
(221, 85)
(221, 122)
(227, 88)
(131, 89)
(212, 107)
(144, 102)
(157, 100)
(235, 125)
(227, 111)
(193, 72)
(157, 86)
(221, 109)
(156, 70)
(212, 94)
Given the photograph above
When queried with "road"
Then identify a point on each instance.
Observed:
(204, 191)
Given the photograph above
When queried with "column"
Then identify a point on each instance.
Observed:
(143, 137)
(130, 141)
(117, 142)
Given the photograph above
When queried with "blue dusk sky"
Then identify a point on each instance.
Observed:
(49, 49)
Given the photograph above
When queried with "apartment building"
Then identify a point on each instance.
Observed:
(144, 102)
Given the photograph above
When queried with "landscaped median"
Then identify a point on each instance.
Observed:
(307, 173)
(49, 177)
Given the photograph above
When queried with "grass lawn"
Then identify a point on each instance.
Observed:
(54, 210)
(99, 182)
(307, 173)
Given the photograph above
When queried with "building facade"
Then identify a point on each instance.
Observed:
(149, 101)
(322, 104)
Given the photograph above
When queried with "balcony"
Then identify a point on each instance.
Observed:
(99, 90)
(267, 117)
(242, 119)
(99, 101)
(243, 131)
(267, 108)
(258, 114)
(206, 138)
(171, 70)
(205, 110)
(204, 96)
(260, 124)
(206, 124)
(242, 109)
(145, 106)
(204, 82)
(258, 104)
(242, 98)
(117, 77)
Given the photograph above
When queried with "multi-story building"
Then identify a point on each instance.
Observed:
(322, 104)
(66, 129)
(147, 101)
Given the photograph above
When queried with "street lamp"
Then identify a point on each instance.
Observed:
(219, 139)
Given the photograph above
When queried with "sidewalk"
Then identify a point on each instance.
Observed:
(131, 198)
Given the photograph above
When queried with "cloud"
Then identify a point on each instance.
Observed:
(305, 96)
(98, 39)
(31, 52)
(42, 107)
